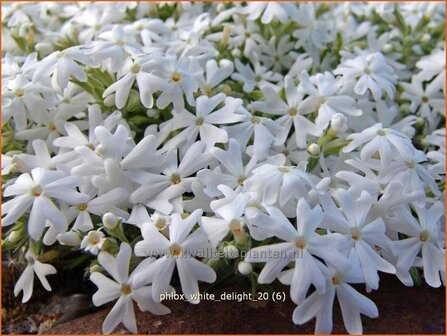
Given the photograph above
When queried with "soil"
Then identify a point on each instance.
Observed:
(403, 310)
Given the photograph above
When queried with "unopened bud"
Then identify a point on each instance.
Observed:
(153, 113)
(14, 236)
(236, 53)
(387, 48)
(425, 38)
(44, 48)
(96, 268)
(225, 36)
(404, 109)
(100, 150)
(244, 268)
(339, 122)
(110, 221)
(69, 238)
(230, 252)
(314, 149)
(419, 122)
(109, 101)
(220, 7)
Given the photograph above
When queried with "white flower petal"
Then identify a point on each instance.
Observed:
(108, 290)
(115, 316)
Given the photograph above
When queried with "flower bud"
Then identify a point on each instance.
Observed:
(96, 268)
(339, 122)
(110, 221)
(14, 236)
(69, 238)
(109, 101)
(230, 252)
(244, 268)
(424, 142)
(425, 38)
(314, 149)
(225, 36)
(44, 48)
(100, 150)
(220, 7)
(419, 122)
(250, 108)
(387, 48)
(236, 53)
(404, 109)
(153, 113)
(227, 89)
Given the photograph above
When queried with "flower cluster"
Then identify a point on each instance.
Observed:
(309, 136)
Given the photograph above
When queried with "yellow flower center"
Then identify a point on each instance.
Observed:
(355, 234)
(175, 179)
(424, 236)
(236, 226)
(175, 250)
(19, 93)
(227, 90)
(336, 279)
(410, 165)
(36, 191)
(135, 68)
(293, 111)
(125, 289)
(199, 121)
(300, 243)
(52, 127)
(176, 77)
(207, 90)
(82, 207)
(93, 238)
(160, 224)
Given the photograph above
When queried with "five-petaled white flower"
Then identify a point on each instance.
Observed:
(26, 280)
(36, 191)
(179, 250)
(124, 289)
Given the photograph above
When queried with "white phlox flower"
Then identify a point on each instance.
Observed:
(301, 245)
(122, 287)
(26, 280)
(179, 250)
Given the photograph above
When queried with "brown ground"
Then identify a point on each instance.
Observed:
(402, 310)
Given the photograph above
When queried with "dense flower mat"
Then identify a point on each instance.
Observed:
(294, 142)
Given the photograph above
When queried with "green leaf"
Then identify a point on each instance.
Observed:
(335, 146)
(313, 162)
(400, 22)
(416, 276)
